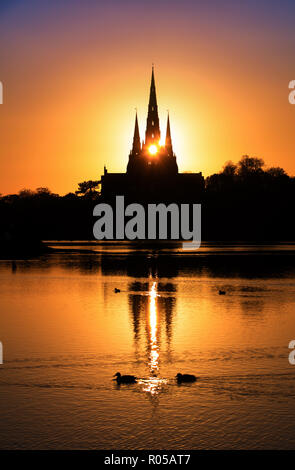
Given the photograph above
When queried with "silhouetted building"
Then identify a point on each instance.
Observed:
(152, 171)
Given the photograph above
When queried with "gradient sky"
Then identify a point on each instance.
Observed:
(74, 70)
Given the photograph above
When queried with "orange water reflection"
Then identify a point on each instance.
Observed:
(153, 384)
(153, 330)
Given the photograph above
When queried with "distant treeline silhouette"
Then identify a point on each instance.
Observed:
(244, 201)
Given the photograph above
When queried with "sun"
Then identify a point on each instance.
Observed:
(153, 149)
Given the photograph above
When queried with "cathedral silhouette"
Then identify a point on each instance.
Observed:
(152, 171)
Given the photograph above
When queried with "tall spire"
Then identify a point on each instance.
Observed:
(136, 148)
(152, 133)
(168, 140)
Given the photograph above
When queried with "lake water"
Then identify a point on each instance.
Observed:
(65, 333)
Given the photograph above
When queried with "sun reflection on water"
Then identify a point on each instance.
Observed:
(153, 384)
(153, 330)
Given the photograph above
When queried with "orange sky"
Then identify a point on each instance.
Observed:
(73, 76)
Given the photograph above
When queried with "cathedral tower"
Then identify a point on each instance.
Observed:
(151, 158)
(152, 173)
(152, 133)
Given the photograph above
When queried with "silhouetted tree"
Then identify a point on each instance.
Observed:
(88, 188)
(43, 191)
(276, 172)
(72, 196)
(249, 165)
(229, 169)
(23, 193)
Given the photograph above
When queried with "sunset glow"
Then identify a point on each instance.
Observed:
(147, 244)
(72, 110)
(153, 149)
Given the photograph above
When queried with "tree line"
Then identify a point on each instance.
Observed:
(244, 201)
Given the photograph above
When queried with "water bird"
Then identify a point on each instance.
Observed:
(125, 379)
(222, 292)
(185, 378)
(116, 290)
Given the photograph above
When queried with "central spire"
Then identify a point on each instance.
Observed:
(136, 148)
(168, 140)
(152, 133)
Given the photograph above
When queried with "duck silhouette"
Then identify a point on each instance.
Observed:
(125, 379)
(181, 378)
(116, 290)
(222, 292)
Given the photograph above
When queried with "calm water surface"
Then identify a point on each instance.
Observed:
(65, 333)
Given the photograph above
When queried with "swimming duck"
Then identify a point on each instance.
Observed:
(116, 290)
(222, 292)
(185, 378)
(125, 379)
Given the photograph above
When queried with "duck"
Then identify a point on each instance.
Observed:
(125, 379)
(116, 290)
(185, 378)
(222, 292)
